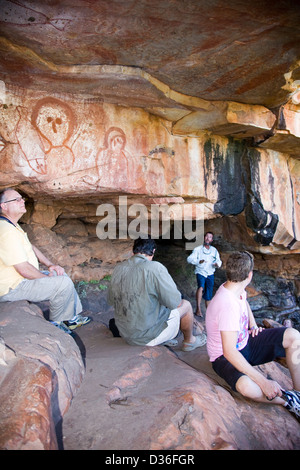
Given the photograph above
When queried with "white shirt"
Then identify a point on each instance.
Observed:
(210, 257)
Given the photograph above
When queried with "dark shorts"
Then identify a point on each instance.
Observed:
(207, 283)
(265, 347)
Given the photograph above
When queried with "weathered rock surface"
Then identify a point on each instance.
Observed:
(87, 122)
(71, 159)
(41, 369)
(151, 52)
(173, 103)
(153, 398)
(164, 399)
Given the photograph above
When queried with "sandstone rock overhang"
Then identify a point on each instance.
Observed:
(169, 89)
(214, 50)
(216, 67)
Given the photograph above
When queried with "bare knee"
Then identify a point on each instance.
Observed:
(291, 338)
(185, 308)
(249, 389)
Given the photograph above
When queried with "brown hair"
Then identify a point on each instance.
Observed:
(239, 265)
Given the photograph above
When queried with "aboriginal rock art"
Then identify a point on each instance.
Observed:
(54, 121)
(30, 142)
(52, 147)
(159, 167)
(116, 167)
(43, 136)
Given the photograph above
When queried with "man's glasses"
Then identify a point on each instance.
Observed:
(18, 199)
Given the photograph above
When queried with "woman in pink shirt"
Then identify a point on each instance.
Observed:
(235, 343)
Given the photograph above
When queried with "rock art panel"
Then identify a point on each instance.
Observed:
(60, 145)
(61, 148)
(54, 122)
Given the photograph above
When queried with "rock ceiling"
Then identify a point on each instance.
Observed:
(226, 68)
(164, 55)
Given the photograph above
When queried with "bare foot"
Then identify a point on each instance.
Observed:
(197, 328)
(198, 313)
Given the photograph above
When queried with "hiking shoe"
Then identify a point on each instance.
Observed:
(77, 321)
(292, 398)
(62, 327)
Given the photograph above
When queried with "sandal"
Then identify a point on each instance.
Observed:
(170, 342)
(200, 341)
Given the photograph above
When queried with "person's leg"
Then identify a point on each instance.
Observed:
(188, 327)
(249, 389)
(208, 290)
(272, 343)
(240, 382)
(186, 321)
(265, 347)
(291, 344)
(170, 332)
(289, 398)
(198, 302)
(63, 299)
(199, 293)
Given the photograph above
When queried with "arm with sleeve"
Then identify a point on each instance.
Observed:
(218, 259)
(15, 249)
(168, 294)
(194, 257)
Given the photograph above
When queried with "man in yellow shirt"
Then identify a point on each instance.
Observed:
(20, 276)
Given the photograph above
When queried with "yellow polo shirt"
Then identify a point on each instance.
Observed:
(15, 248)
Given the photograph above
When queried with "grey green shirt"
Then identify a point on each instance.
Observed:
(142, 293)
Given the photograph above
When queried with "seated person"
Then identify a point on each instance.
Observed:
(20, 276)
(235, 343)
(149, 309)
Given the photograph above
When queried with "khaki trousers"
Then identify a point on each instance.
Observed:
(63, 299)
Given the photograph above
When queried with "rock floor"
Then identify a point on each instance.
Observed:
(136, 398)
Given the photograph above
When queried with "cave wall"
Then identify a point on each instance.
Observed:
(68, 155)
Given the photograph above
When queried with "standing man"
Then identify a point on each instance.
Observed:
(148, 307)
(206, 258)
(235, 343)
(20, 276)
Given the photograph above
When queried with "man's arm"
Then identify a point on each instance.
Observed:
(165, 287)
(44, 260)
(193, 258)
(28, 271)
(270, 388)
(218, 261)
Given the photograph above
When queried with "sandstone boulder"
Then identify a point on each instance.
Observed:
(164, 398)
(41, 370)
(167, 399)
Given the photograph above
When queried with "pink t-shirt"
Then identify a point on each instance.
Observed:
(226, 312)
